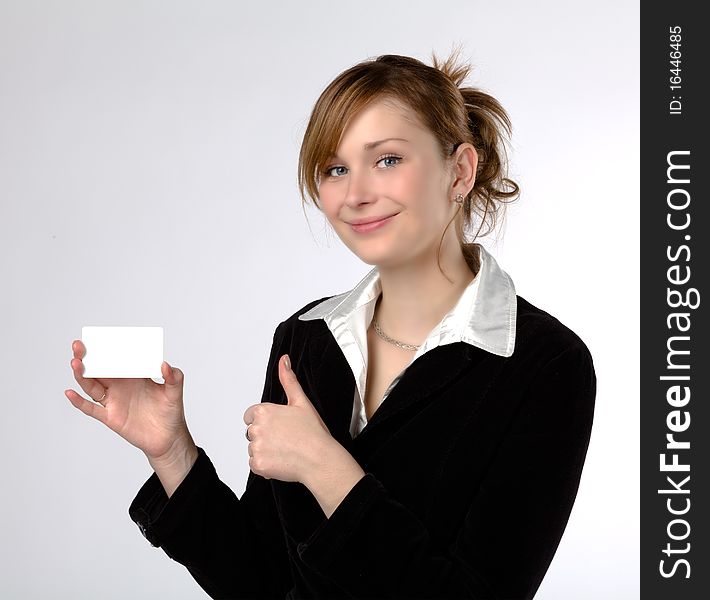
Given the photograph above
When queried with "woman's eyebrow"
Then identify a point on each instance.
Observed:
(371, 145)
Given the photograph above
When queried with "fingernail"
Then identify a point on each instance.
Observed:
(287, 362)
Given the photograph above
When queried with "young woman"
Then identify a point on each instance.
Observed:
(419, 436)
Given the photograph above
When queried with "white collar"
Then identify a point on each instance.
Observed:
(484, 316)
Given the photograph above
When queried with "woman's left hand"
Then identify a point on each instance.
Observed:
(287, 441)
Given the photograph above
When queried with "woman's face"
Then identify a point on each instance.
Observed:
(403, 179)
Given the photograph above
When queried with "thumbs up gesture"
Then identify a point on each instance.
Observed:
(287, 441)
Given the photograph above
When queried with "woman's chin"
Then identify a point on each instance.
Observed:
(380, 250)
(376, 256)
(367, 254)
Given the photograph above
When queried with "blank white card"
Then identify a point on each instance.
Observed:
(122, 352)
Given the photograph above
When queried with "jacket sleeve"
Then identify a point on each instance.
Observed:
(233, 547)
(375, 547)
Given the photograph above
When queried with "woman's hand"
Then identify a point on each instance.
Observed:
(292, 443)
(149, 415)
(288, 442)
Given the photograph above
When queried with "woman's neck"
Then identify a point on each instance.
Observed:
(417, 296)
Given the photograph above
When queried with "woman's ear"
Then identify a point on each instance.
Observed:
(465, 168)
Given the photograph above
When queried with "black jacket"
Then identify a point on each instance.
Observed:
(472, 467)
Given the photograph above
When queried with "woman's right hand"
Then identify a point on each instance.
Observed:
(149, 415)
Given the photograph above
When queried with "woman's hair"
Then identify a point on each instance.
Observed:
(451, 113)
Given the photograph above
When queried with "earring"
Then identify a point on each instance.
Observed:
(459, 199)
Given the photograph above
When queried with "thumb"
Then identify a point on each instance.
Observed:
(290, 383)
(173, 376)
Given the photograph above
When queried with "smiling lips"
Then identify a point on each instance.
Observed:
(370, 225)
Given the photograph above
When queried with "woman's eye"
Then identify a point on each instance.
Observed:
(333, 171)
(391, 157)
(329, 171)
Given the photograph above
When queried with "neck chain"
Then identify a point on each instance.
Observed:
(387, 338)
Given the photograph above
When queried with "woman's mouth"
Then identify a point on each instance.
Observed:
(367, 227)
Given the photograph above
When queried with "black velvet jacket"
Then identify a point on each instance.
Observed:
(472, 467)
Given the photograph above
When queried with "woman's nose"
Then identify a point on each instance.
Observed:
(360, 188)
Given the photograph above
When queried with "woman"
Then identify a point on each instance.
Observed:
(420, 436)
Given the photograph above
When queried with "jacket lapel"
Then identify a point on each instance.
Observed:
(425, 377)
(334, 385)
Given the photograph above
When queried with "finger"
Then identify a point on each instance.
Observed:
(91, 386)
(290, 383)
(285, 375)
(249, 415)
(78, 348)
(79, 352)
(173, 376)
(91, 409)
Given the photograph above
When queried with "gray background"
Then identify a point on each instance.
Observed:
(148, 156)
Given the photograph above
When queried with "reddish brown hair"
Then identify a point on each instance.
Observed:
(452, 113)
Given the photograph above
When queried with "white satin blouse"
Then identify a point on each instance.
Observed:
(484, 316)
